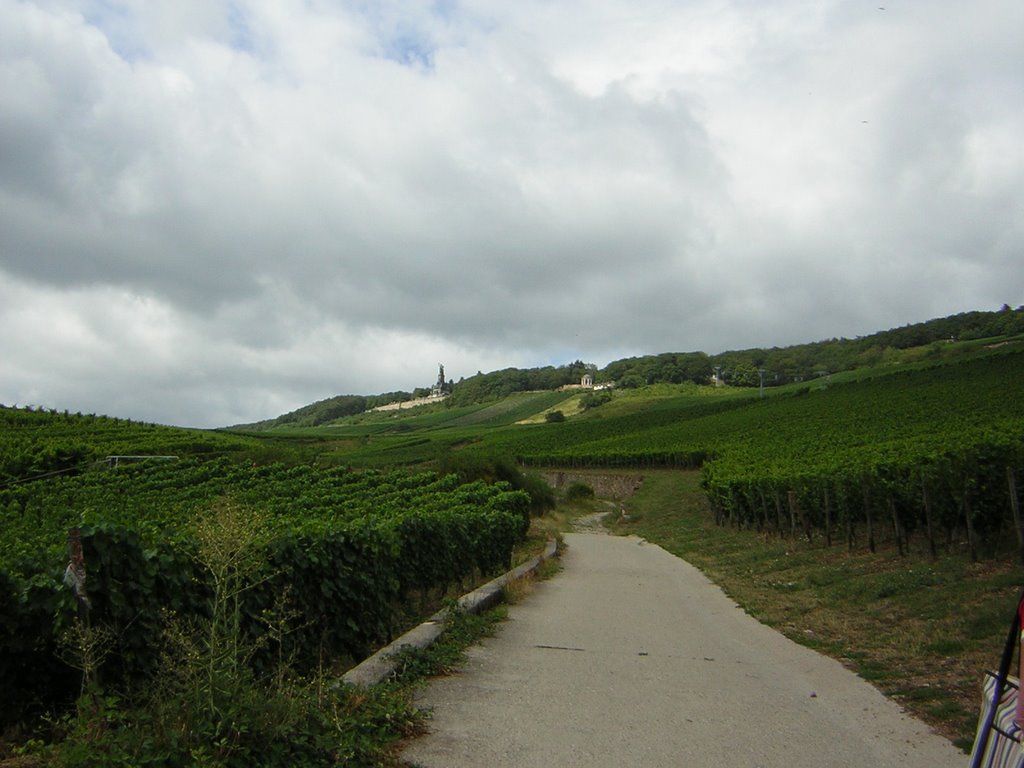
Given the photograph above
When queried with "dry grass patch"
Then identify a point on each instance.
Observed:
(516, 590)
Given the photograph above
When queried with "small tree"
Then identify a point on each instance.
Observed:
(595, 400)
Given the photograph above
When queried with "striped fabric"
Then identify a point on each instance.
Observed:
(1003, 749)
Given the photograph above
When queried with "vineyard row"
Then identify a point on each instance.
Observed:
(342, 573)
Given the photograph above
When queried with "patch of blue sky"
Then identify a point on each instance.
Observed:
(445, 9)
(410, 50)
(240, 35)
(114, 20)
(407, 34)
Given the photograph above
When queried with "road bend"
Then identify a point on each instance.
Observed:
(631, 657)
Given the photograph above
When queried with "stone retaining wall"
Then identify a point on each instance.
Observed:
(608, 486)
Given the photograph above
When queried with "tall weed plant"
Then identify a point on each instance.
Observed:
(206, 706)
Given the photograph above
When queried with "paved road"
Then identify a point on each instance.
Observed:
(631, 657)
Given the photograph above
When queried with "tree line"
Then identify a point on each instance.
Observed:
(755, 367)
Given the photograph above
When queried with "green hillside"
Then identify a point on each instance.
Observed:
(939, 339)
(845, 450)
(922, 451)
(680, 425)
(40, 442)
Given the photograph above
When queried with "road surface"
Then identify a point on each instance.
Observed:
(631, 657)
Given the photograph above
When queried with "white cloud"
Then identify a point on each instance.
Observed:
(278, 204)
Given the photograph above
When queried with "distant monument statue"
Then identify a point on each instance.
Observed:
(441, 387)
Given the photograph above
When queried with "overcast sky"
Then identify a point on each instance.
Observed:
(216, 212)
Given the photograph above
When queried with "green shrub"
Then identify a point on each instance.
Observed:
(468, 467)
(578, 491)
(595, 400)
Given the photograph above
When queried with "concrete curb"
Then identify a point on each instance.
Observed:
(381, 664)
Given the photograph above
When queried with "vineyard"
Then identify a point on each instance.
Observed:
(929, 453)
(348, 552)
(936, 450)
(937, 453)
(926, 452)
(925, 455)
(35, 443)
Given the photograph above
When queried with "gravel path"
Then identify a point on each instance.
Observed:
(631, 657)
(593, 523)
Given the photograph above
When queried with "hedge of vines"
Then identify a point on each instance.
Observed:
(929, 456)
(934, 456)
(965, 493)
(349, 550)
(35, 442)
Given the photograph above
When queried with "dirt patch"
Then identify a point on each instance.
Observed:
(592, 523)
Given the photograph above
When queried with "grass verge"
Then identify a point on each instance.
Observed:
(923, 631)
(314, 722)
(461, 631)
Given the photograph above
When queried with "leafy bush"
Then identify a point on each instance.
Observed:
(542, 496)
(595, 400)
(578, 491)
(475, 466)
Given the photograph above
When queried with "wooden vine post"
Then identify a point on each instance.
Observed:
(897, 529)
(845, 504)
(867, 516)
(928, 516)
(764, 509)
(1011, 479)
(828, 517)
(972, 539)
(74, 575)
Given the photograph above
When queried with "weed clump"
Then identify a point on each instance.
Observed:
(461, 630)
(207, 705)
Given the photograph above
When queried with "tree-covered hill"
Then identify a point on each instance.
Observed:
(801, 362)
(330, 409)
(772, 366)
